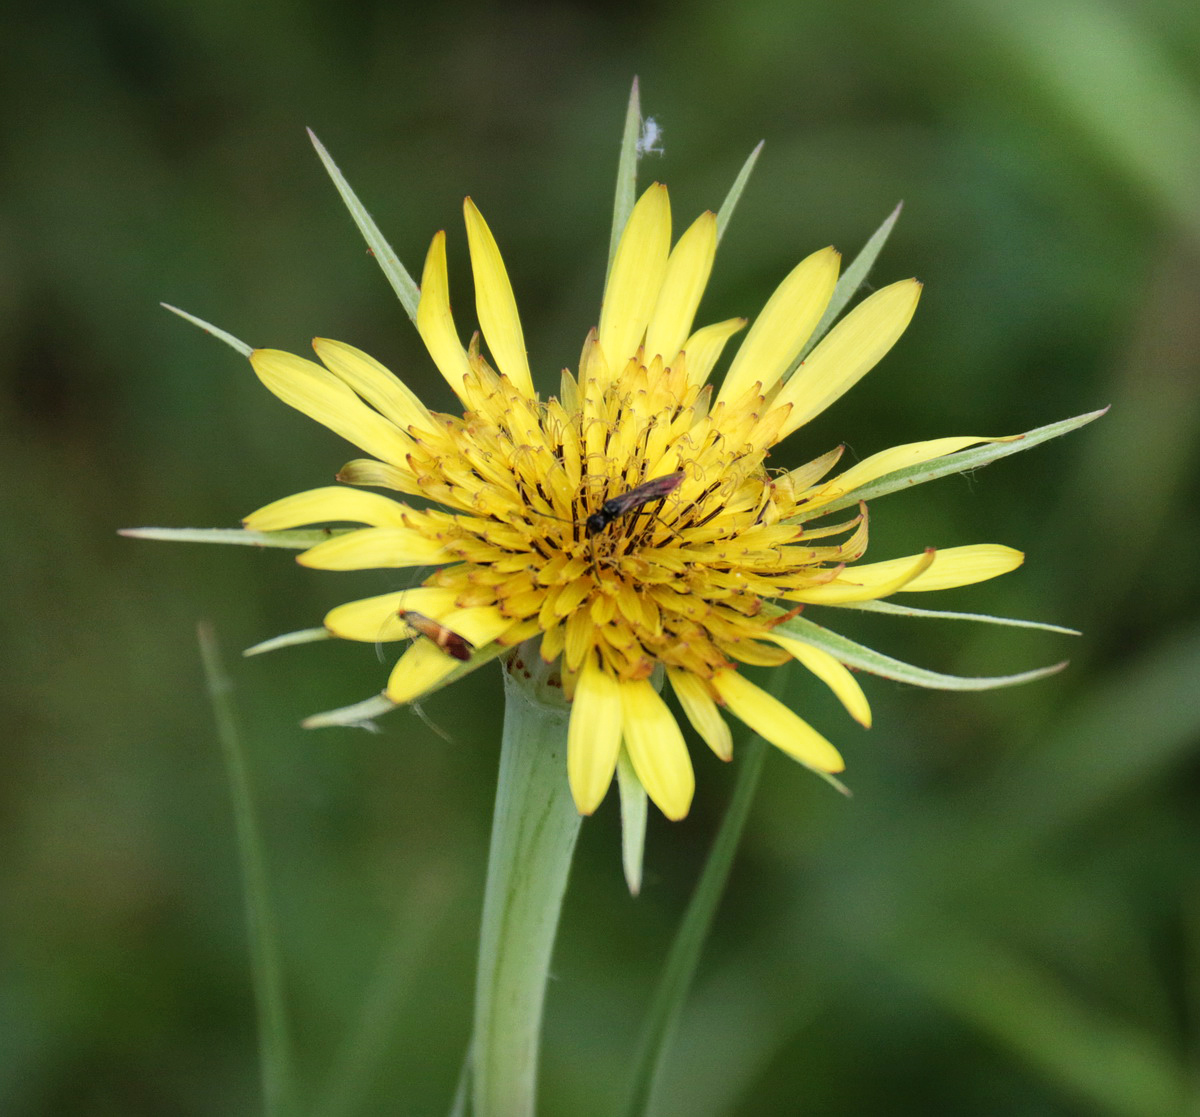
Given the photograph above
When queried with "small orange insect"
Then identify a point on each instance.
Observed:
(448, 640)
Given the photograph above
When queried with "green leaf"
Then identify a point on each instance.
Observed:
(866, 659)
(220, 334)
(850, 281)
(289, 639)
(362, 712)
(962, 462)
(289, 540)
(397, 275)
(633, 822)
(359, 715)
(274, 1040)
(938, 614)
(626, 172)
(735, 191)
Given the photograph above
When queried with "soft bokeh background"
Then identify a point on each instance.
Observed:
(1004, 920)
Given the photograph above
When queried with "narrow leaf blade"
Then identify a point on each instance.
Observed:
(876, 663)
(962, 462)
(397, 275)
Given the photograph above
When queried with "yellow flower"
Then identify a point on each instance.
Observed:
(540, 526)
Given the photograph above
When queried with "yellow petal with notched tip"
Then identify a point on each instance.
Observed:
(704, 347)
(435, 323)
(308, 387)
(688, 269)
(888, 461)
(639, 266)
(866, 582)
(848, 352)
(785, 324)
(374, 548)
(656, 748)
(495, 303)
(953, 566)
(702, 712)
(331, 504)
(833, 674)
(376, 384)
(772, 720)
(375, 618)
(593, 736)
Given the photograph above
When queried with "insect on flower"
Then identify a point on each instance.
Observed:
(449, 641)
(623, 503)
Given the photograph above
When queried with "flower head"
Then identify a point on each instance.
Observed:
(629, 522)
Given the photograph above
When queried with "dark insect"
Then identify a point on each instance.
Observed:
(449, 641)
(623, 503)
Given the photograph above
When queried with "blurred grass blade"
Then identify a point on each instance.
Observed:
(289, 640)
(633, 823)
(234, 343)
(274, 1043)
(662, 1017)
(626, 172)
(290, 540)
(961, 462)
(939, 614)
(850, 281)
(735, 191)
(397, 275)
(876, 663)
(1120, 1069)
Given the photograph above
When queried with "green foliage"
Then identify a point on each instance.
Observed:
(1003, 918)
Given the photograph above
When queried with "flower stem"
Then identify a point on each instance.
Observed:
(533, 837)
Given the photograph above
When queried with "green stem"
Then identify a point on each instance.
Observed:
(667, 1004)
(533, 837)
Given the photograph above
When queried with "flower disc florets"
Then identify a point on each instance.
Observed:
(628, 523)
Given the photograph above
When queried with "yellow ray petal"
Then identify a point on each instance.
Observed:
(702, 711)
(867, 581)
(833, 674)
(374, 548)
(771, 719)
(688, 269)
(848, 352)
(375, 618)
(367, 471)
(593, 736)
(495, 303)
(785, 324)
(656, 748)
(308, 387)
(888, 461)
(636, 278)
(704, 347)
(331, 504)
(420, 668)
(376, 384)
(953, 566)
(425, 664)
(435, 323)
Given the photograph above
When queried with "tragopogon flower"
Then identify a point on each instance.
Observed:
(540, 530)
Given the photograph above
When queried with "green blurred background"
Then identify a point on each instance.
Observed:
(1004, 920)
